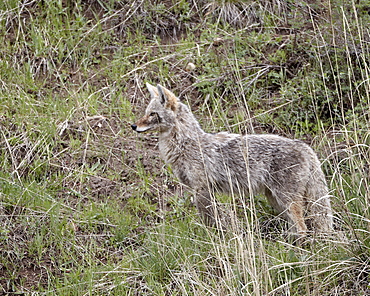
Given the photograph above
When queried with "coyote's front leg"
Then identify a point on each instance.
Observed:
(210, 211)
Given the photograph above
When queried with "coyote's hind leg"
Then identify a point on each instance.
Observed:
(295, 216)
(292, 211)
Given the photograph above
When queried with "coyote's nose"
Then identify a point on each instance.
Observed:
(134, 126)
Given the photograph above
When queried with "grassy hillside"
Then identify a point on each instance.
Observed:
(88, 208)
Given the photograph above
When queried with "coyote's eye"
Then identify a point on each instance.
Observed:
(154, 117)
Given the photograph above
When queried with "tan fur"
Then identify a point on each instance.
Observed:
(287, 171)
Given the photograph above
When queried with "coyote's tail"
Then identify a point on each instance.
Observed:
(320, 215)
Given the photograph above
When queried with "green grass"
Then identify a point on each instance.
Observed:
(88, 208)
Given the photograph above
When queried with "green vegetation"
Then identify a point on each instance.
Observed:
(86, 205)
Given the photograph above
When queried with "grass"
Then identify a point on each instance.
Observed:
(88, 208)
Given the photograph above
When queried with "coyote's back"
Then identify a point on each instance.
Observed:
(287, 171)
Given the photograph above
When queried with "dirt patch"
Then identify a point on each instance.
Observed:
(109, 154)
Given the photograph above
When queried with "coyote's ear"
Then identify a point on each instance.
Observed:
(168, 99)
(152, 90)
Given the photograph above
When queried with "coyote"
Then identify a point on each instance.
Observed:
(287, 171)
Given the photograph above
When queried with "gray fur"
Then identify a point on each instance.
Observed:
(287, 171)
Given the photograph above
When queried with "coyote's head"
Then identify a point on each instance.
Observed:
(160, 115)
